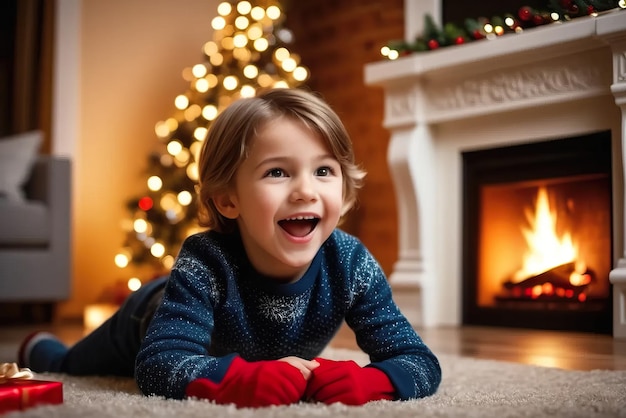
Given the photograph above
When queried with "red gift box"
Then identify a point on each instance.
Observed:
(17, 394)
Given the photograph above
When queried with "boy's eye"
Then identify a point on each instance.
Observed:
(275, 172)
(324, 171)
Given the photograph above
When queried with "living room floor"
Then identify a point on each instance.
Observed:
(565, 350)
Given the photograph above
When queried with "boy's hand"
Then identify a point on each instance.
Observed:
(256, 384)
(305, 366)
(348, 383)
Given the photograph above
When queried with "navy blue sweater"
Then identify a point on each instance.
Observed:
(217, 306)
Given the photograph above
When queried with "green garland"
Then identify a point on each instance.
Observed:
(472, 29)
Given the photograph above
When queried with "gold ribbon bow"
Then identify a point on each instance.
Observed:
(10, 371)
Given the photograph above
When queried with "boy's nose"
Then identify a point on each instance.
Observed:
(304, 190)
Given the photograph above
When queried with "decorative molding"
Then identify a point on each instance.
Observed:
(401, 105)
(516, 86)
(620, 67)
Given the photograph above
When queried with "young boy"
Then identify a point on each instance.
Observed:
(252, 302)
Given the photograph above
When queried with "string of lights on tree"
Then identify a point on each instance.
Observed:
(474, 29)
(249, 51)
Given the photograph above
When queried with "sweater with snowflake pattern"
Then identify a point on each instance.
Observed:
(216, 306)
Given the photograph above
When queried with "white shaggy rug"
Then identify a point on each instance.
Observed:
(470, 388)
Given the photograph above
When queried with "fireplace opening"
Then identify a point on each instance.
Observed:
(537, 240)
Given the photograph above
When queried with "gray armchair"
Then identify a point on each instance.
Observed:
(35, 257)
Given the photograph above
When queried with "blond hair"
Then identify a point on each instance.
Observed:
(230, 135)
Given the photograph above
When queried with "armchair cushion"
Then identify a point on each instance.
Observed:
(17, 155)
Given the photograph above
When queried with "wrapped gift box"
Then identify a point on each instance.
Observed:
(17, 394)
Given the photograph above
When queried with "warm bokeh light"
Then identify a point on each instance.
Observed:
(155, 183)
(134, 284)
(121, 260)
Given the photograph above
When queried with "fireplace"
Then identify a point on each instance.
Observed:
(550, 83)
(537, 235)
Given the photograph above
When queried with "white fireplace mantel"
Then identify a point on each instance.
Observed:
(553, 81)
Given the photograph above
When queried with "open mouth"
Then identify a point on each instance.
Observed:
(300, 226)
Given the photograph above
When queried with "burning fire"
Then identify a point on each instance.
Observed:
(546, 250)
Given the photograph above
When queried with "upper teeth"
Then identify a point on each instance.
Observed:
(300, 218)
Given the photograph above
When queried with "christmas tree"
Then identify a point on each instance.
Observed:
(248, 52)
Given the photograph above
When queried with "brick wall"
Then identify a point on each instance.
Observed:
(335, 39)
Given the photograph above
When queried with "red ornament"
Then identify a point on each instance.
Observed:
(525, 13)
(145, 203)
(477, 34)
(459, 40)
(433, 44)
(590, 10)
(538, 20)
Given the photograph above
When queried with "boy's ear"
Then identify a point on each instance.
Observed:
(225, 205)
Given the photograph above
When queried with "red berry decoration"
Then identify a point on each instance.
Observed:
(145, 203)
(433, 44)
(538, 20)
(590, 10)
(459, 40)
(525, 13)
(477, 34)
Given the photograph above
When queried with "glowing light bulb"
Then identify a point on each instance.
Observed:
(240, 40)
(250, 71)
(273, 12)
(198, 70)
(242, 22)
(155, 183)
(161, 129)
(244, 7)
(300, 74)
(174, 147)
(224, 8)
(210, 48)
(261, 44)
(230, 82)
(181, 102)
(140, 226)
(216, 59)
(168, 261)
(182, 158)
(193, 112)
(257, 13)
(200, 133)
(218, 23)
(247, 91)
(157, 249)
(209, 112)
(289, 64)
(184, 198)
(192, 171)
(281, 54)
(122, 260)
(133, 284)
(255, 32)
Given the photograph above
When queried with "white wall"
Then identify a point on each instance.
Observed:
(118, 68)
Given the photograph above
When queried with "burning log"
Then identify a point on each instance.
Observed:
(559, 282)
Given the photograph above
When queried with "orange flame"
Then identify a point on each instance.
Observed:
(545, 249)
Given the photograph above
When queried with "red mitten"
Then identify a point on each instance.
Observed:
(252, 384)
(348, 383)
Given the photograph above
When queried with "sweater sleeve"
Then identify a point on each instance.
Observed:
(385, 334)
(175, 349)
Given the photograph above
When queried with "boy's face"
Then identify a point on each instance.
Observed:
(287, 198)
